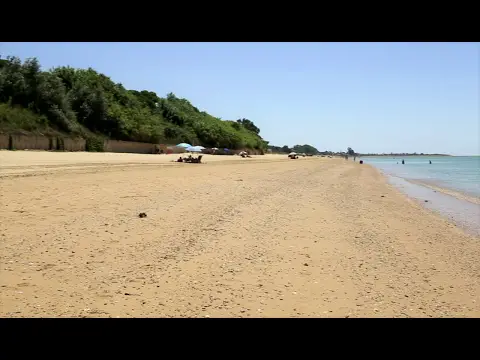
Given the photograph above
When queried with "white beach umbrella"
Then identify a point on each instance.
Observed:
(193, 149)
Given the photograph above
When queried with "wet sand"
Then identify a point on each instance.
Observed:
(260, 237)
(449, 204)
(461, 196)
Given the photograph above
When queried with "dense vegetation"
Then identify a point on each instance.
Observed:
(82, 102)
(307, 149)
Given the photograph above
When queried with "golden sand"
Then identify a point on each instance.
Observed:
(260, 237)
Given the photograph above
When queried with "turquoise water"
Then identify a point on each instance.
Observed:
(458, 173)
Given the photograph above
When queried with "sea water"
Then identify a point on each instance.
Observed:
(455, 174)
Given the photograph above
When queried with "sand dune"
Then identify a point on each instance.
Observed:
(260, 237)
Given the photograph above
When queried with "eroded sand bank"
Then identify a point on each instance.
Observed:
(239, 238)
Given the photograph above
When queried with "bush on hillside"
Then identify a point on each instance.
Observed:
(83, 102)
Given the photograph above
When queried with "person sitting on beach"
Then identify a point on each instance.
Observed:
(180, 159)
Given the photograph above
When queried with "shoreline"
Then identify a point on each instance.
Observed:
(293, 238)
(460, 208)
(457, 211)
(451, 192)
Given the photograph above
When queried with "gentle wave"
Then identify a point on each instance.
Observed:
(450, 187)
(456, 174)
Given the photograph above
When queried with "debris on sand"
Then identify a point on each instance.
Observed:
(142, 215)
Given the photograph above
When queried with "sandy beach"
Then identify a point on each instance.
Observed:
(259, 237)
(23, 163)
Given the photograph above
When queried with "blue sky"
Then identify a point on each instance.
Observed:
(373, 97)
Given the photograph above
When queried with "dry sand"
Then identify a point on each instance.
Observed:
(261, 237)
(43, 162)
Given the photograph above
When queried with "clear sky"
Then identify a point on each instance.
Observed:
(373, 97)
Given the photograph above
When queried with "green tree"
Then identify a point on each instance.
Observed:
(305, 149)
(87, 103)
(249, 125)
